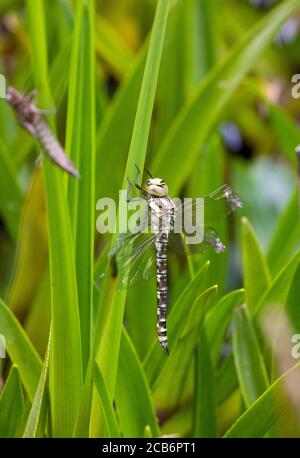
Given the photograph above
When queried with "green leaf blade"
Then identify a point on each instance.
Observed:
(257, 277)
(248, 358)
(20, 349)
(107, 408)
(263, 413)
(134, 405)
(12, 406)
(65, 365)
(81, 145)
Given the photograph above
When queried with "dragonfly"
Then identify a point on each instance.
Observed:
(30, 117)
(142, 253)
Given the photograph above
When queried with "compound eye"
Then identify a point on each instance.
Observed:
(148, 182)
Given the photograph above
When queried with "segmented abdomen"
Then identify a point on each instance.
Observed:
(52, 147)
(162, 289)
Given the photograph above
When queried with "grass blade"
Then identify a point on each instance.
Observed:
(249, 361)
(134, 405)
(287, 132)
(80, 144)
(111, 424)
(218, 320)
(20, 350)
(257, 277)
(10, 192)
(65, 358)
(292, 302)
(40, 397)
(30, 263)
(264, 412)
(12, 406)
(279, 288)
(285, 236)
(204, 411)
(226, 379)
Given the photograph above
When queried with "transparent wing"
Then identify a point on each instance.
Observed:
(211, 240)
(133, 258)
(216, 205)
(193, 219)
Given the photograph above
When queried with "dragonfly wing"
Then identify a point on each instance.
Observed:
(220, 203)
(178, 243)
(135, 260)
(126, 241)
(215, 206)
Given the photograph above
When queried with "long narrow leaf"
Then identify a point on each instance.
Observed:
(285, 236)
(218, 320)
(279, 288)
(257, 277)
(12, 406)
(40, 397)
(20, 349)
(263, 413)
(65, 358)
(81, 145)
(249, 361)
(10, 192)
(30, 263)
(134, 405)
(205, 415)
(106, 405)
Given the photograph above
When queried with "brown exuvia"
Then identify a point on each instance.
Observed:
(31, 119)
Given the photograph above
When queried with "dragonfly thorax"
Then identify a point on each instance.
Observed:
(157, 187)
(16, 99)
(162, 210)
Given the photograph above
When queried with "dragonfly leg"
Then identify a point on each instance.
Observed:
(44, 112)
(128, 190)
(150, 175)
(138, 173)
(135, 199)
(142, 191)
(31, 95)
(130, 185)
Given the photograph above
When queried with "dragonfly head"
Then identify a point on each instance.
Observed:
(157, 187)
(12, 96)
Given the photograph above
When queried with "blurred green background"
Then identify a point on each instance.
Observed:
(226, 110)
